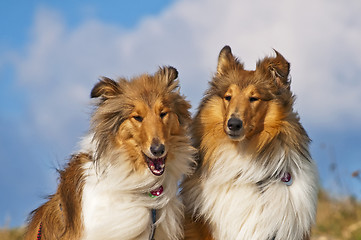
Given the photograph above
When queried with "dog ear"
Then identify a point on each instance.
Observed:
(106, 88)
(169, 74)
(226, 60)
(278, 68)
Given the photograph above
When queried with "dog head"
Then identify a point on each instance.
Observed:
(250, 102)
(141, 116)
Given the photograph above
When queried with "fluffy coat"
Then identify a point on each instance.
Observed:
(136, 144)
(249, 137)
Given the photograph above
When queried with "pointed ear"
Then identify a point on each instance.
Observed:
(278, 68)
(227, 61)
(106, 88)
(169, 74)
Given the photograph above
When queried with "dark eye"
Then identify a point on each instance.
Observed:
(228, 98)
(253, 99)
(138, 118)
(163, 114)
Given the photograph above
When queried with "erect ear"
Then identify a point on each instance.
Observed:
(106, 88)
(226, 60)
(277, 67)
(169, 74)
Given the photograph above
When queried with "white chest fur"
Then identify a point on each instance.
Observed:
(239, 208)
(116, 204)
(109, 212)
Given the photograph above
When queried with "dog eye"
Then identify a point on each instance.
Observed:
(138, 118)
(163, 114)
(253, 99)
(228, 98)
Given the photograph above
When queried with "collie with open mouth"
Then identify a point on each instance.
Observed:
(123, 183)
(255, 178)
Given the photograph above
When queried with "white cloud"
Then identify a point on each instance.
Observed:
(320, 39)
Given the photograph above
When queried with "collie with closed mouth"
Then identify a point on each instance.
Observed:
(123, 182)
(255, 178)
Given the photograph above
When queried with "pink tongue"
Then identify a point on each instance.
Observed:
(157, 192)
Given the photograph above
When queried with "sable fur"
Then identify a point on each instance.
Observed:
(61, 215)
(103, 191)
(236, 192)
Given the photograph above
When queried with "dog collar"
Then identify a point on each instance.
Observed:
(156, 192)
(38, 236)
(153, 194)
(287, 178)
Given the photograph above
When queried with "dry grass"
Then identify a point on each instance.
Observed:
(336, 220)
(12, 234)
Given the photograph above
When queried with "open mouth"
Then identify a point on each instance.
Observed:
(156, 165)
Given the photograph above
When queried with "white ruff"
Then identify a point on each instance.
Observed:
(116, 205)
(238, 208)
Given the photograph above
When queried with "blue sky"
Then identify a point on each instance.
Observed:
(52, 53)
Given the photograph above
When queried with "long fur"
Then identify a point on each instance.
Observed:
(237, 192)
(104, 190)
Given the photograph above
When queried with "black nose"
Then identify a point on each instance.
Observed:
(157, 149)
(234, 124)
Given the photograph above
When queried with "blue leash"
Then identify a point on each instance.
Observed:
(154, 219)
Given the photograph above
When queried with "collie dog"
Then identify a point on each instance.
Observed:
(123, 183)
(255, 178)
